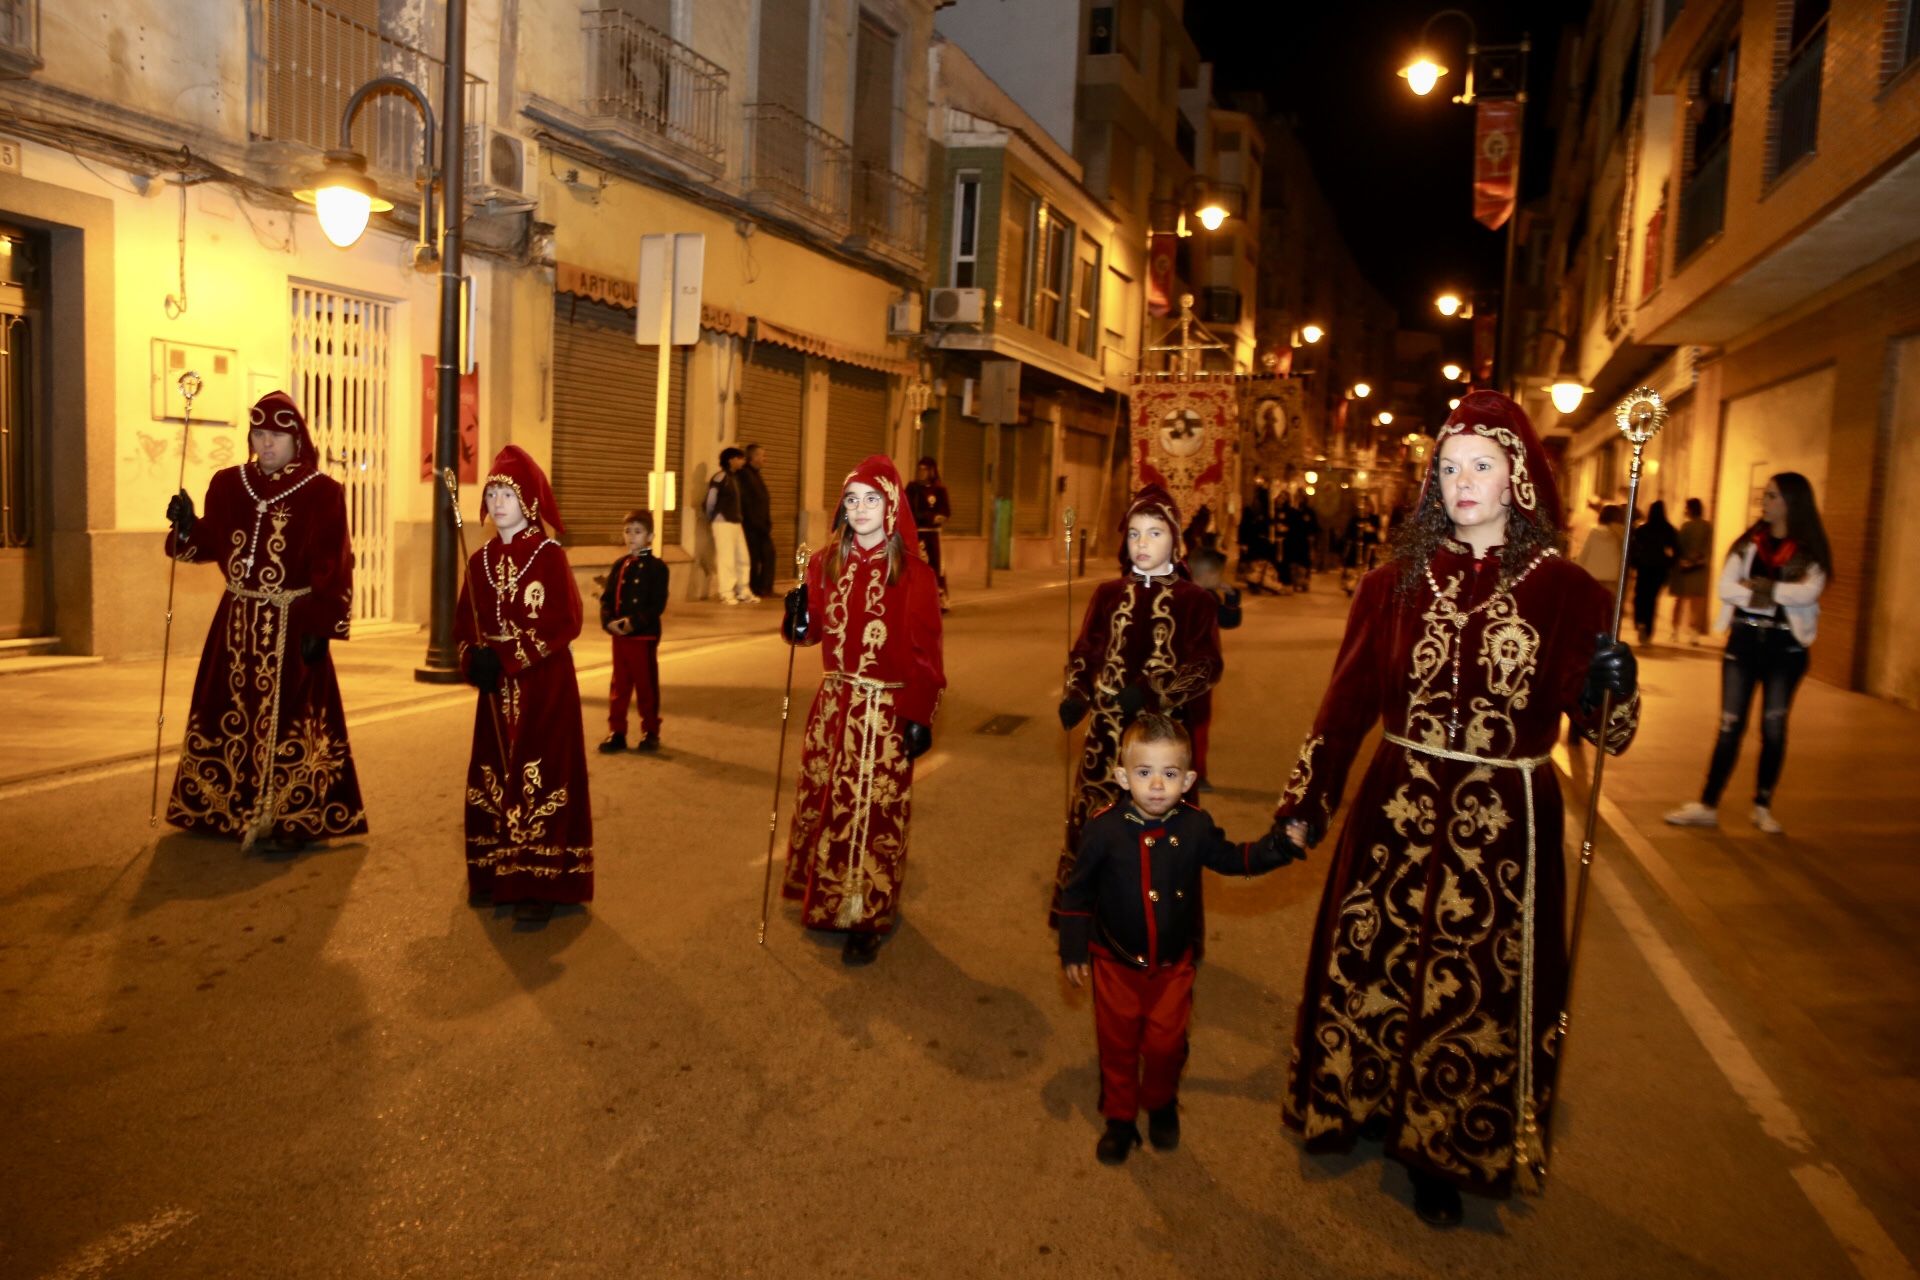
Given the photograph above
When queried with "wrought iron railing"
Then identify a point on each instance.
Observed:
(306, 61)
(1703, 204)
(1796, 105)
(20, 32)
(890, 211)
(795, 164)
(659, 87)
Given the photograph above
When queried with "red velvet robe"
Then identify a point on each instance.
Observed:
(529, 820)
(880, 645)
(265, 750)
(1165, 636)
(1413, 1005)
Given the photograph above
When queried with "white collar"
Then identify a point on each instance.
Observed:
(1146, 578)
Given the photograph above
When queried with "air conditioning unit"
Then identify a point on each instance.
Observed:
(499, 165)
(956, 306)
(903, 317)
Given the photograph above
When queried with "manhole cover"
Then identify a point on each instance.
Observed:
(1001, 726)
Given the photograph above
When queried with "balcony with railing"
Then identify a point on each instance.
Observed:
(1796, 105)
(306, 60)
(19, 37)
(648, 92)
(889, 215)
(795, 167)
(1703, 204)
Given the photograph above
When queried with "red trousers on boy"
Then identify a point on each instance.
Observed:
(1140, 1023)
(636, 672)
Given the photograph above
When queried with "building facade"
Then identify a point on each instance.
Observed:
(1746, 240)
(147, 217)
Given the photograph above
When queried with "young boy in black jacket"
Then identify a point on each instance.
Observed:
(630, 607)
(1131, 921)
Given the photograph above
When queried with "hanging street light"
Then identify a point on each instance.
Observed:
(1361, 391)
(1567, 394)
(1211, 216)
(1447, 304)
(1454, 403)
(1422, 74)
(1385, 419)
(1451, 371)
(343, 197)
(1312, 333)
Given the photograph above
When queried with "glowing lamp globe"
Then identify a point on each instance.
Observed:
(1312, 333)
(1361, 391)
(343, 198)
(1568, 394)
(1386, 419)
(1211, 217)
(1422, 74)
(1447, 303)
(1451, 371)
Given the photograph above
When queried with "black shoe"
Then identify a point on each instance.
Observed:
(479, 897)
(1121, 1137)
(649, 743)
(533, 912)
(1435, 1200)
(860, 949)
(615, 742)
(1163, 1126)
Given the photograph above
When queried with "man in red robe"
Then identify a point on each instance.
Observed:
(266, 751)
(873, 605)
(529, 822)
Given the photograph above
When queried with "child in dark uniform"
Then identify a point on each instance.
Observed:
(630, 607)
(1130, 923)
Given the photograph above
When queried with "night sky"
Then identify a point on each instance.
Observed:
(1396, 168)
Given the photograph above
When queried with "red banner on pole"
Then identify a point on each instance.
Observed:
(1496, 161)
(1160, 268)
(469, 468)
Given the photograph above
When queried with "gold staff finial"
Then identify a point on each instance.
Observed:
(1641, 415)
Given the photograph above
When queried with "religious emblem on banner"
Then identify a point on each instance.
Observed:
(1183, 438)
(1275, 415)
(1160, 269)
(1496, 161)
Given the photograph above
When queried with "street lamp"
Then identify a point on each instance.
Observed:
(1361, 391)
(344, 198)
(1453, 403)
(1211, 216)
(1311, 333)
(1567, 394)
(1385, 419)
(1422, 74)
(1447, 303)
(1451, 371)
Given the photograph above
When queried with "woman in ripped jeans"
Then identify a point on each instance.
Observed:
(1770, 597)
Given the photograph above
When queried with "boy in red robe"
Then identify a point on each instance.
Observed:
(873, 606)
(529, 822)
(1150, 641)
(266, 751)
(1131, 922)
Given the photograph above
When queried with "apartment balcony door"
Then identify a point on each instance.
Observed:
(341, 367)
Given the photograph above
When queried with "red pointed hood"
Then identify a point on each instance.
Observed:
(1153, 501)
(1494, 417)
(276, 411)
(515, 468)
(878, 472)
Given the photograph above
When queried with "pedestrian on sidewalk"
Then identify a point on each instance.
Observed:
(265, 752)
(756, 522)
(1131, 925)
(732, 572)
(1438, 965)
(871, 603)
(529, 820)
(927, 500)
(1692, 565)
(1656, 543)
(1770, 588)
(631, 603)
(1149, 641)
(1600, 555)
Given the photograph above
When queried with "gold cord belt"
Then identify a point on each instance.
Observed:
(1529, 1154)
(278, 598)
(864, 682)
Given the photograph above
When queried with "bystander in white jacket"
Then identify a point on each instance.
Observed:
(1800, 601)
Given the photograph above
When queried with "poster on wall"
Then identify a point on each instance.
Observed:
(1184, 438)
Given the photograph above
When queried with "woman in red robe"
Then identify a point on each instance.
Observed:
(873, 605)
(1438, 967)
(1149, 641)
(529, 821)
(266, 751)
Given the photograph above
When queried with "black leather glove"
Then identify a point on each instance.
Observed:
(180, 513)
(1289, 851)
(1072, 711)
(1613, 669)
(919, 739)
(795, 622)
(1230, 609)
(1133, 699)
(313, 649)
(483, 669)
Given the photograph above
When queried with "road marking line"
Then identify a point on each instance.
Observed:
(1847, 1218)
(123, 1245)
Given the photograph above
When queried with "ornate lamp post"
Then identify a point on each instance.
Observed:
(344, 198)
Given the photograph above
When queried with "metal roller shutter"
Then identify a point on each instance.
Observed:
(603, 396)
(856, 423)
(964, 468)
(770, 415)
(1033, 472)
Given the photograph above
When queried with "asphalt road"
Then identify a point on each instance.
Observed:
(331, 1066)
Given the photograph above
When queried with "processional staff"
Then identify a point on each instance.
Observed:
(189, 384)
(800, 557)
